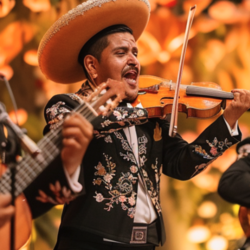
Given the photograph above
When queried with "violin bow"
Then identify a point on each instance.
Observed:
(174, 113)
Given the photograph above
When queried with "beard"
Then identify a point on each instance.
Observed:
(130, 97)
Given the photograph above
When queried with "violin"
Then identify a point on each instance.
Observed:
(157, 94)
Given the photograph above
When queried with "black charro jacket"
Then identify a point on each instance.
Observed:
(234, 185)
(109, 171)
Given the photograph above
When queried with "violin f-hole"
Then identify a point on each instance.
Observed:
(168, 97)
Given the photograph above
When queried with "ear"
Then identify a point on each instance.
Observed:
(91, 65)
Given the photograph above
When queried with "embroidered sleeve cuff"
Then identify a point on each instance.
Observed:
(73, 180)
(234, 131)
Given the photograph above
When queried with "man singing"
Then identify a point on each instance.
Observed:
(108, 174)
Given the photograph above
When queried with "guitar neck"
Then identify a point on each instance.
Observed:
(50, 146)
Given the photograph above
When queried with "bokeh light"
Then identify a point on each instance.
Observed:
(30, 57)
(21, 115)
(217, 243)
(198, 234)
(207, 209)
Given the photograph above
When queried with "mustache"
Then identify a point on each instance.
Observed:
(128, 68)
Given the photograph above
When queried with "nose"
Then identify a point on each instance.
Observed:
(133, 61)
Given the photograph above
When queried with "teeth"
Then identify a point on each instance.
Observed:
(131, 81)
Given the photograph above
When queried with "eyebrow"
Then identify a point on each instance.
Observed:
(124, 48)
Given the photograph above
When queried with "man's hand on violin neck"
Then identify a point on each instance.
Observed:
(237, 107)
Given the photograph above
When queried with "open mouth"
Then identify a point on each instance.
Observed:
(130, 77)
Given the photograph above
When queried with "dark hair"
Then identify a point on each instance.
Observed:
(96, 44)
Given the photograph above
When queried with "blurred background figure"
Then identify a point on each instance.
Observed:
(234, 186)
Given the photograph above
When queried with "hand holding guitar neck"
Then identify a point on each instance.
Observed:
(78, 132)
(107, 96)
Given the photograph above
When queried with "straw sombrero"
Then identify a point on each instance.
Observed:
(60, 46)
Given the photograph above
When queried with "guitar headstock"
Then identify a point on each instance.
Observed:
(107, 96)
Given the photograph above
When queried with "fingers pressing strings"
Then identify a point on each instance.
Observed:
(76, 125)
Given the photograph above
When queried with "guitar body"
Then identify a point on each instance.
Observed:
(23, 223)
(244, 218)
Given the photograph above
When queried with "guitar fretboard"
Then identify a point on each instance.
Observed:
(50, 145)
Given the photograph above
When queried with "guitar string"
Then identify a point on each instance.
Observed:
(51, 153)
(25, 176)
(25, 173)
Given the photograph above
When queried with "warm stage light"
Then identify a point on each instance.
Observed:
(22, 116)
(6, 6)
(178, 41)
(198, 234)
(12, 38)
(201, 5)
(163, 57)
(37, 5)
(167, 3)
(217, 243)
(222, 10)
(30, 57)
(206, 181)
(149, 49)
(207, 209)
(205, 24)
(228, 12)
(7, 71)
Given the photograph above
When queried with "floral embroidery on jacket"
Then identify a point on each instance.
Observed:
(142, 149)
(215, 145)
(101, 134)
(124, 116)
(129, 156)
(85, 89)
(198, 150)
(217, 148)
(158, 173)
(120, 115)
(153, 193)
(56, 113)
(124, 142)
(62, 195)
(199, 168)
(108, 139)
(122, 192)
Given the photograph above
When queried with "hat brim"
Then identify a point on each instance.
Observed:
(59, 49)
(242, 143)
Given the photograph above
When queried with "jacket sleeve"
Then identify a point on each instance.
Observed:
(183, 161)
(234, 185)
(51, 187)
